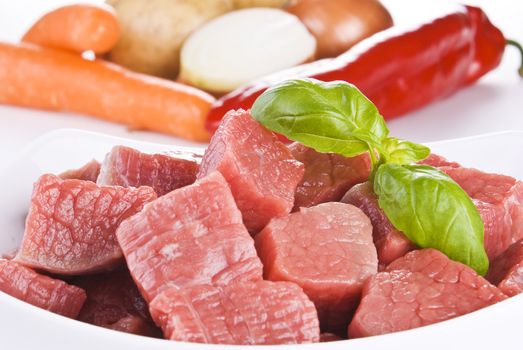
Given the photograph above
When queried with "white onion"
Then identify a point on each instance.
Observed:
(243, 45)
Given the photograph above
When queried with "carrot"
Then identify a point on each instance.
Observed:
(37, 77)
(76, 28)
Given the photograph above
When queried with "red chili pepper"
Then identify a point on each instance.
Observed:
(399, 70)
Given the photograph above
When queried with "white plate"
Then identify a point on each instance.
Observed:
(23, 326)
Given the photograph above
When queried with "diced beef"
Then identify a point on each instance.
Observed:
(70, 228)
(329, 337)
(499, 200)
(45, 292)
(512, 284)
(127, 167)
(89, 172)
(506, 271)
(192, 235)
(390, 243)
(433, 263)
(328, 176)
(9, 255)
(135, 325)
(262, 313)
(438, 161)
(114, 302)
(419, 289)
(328, 251)
(261, 170)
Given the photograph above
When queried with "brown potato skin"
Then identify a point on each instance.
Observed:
(337, 25)
(153, 31)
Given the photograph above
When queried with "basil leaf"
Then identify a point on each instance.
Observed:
(332, 117)
(399, 151)
(432, 211)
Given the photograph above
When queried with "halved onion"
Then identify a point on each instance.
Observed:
(243, 45)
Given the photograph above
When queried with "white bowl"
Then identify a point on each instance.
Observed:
(23, 326)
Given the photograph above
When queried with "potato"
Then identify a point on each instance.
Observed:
(154, 30)
(239, 4)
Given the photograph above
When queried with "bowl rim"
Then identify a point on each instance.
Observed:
(23, 308)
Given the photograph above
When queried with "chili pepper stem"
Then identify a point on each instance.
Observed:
(520, 49)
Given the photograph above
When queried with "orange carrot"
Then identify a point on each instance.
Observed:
(76, 28)
(37, 77)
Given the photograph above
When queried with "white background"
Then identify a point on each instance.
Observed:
(494, 104)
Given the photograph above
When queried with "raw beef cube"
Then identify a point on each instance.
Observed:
(390, 243)
(45, 292)
(260, 313)
(261, 171)
(127, 167)
(70, 228)
(327, 176)
(328, 251)
(89, 172)
(506, 271)
(499, 200)
(192, 235)
(135, 325)
(329, 337)
(438, 162)
(419, 289)
(114, 302)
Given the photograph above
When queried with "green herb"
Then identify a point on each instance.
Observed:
(425, 204)
(432, 211)
(399, 151)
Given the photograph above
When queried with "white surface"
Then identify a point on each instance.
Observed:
(64, 149)
(494, 104)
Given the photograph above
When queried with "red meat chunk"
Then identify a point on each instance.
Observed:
(114, 302)
(127, 167)
(261, 171)
(499, 200)
(192, 235)
(419, 289)
(135, 325)
(262, 313)
(328, 251)
(438, 162)
(329, 337)
(390, 243)
(506, 271)
(327, 176)
(89, 172)
(45, 292)
(70, 228)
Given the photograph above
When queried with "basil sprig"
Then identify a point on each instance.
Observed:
(422, 202)
(432, 211)
(399, 151)
(330, 117)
